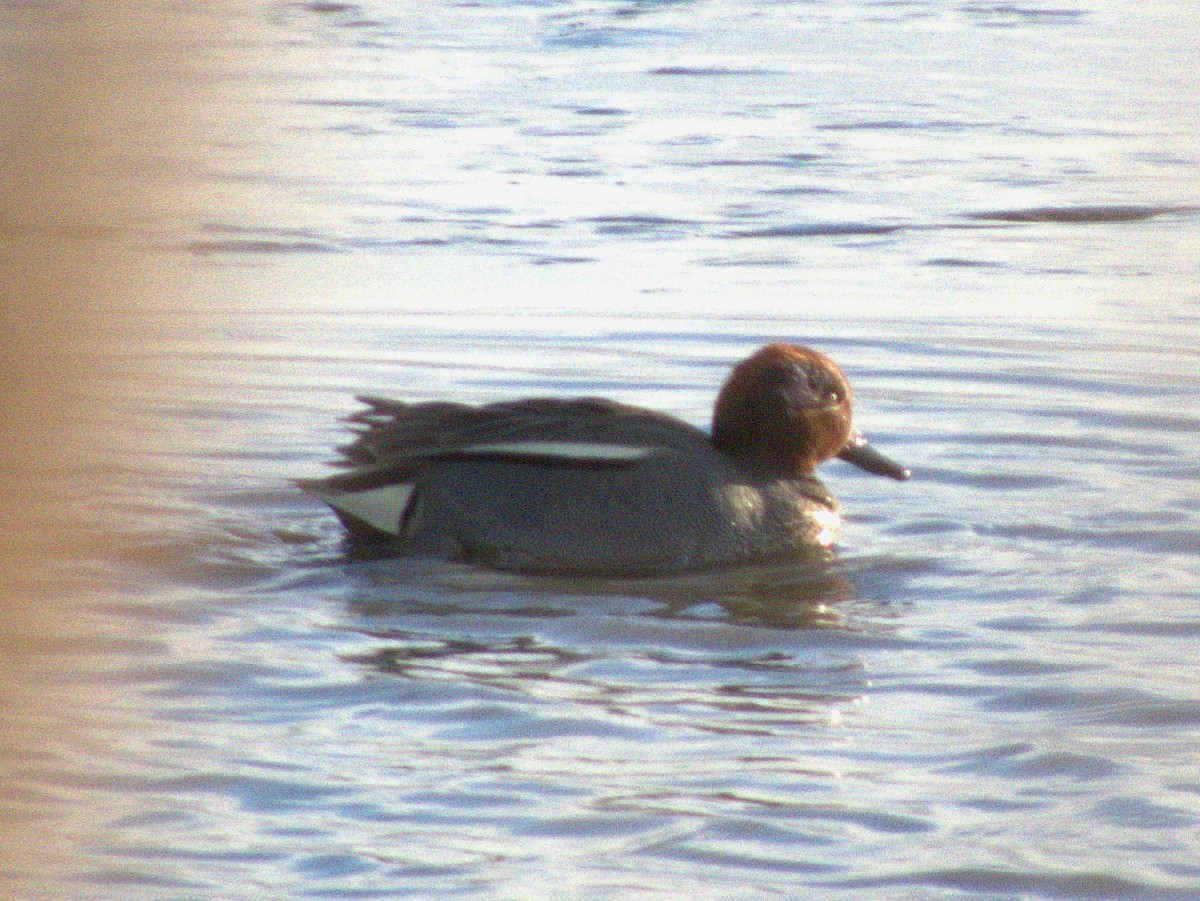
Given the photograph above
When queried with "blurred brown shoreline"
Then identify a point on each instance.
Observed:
(88, 93)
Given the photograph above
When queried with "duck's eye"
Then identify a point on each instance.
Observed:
(834, 397)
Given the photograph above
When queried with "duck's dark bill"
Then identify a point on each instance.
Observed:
(862, 455)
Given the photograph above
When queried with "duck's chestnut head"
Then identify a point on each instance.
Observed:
(786, 409)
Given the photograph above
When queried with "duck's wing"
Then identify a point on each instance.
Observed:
(397, 440)
(586, 431)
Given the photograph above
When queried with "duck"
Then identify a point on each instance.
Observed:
(591, 487)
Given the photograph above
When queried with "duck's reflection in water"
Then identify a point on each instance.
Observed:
(805, 591)
(750, 649)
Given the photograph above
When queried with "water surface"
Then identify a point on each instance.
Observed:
(986, 213)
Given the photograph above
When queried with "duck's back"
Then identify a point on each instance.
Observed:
(397, 430)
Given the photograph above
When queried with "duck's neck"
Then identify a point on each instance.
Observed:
(764, 454)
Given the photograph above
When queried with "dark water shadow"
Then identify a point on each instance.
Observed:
(1087, 214)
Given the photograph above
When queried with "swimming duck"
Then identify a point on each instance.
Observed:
(592, 487)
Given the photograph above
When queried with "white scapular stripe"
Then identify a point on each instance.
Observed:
(563, 450)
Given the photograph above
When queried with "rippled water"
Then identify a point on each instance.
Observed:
(986, 212)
